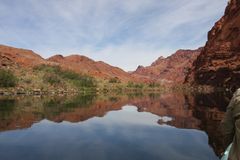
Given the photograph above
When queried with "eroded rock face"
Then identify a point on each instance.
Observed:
(219, 62)
(5, 61)
(172, 69)
(10, 56)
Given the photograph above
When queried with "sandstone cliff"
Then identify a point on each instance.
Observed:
(219, 63)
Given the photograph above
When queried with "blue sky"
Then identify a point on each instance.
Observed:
(123, 33)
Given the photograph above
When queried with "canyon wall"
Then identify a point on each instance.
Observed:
(219, 63)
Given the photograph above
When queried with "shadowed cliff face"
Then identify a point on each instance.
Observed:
(170, 70)
(219, 62)
(201, 112)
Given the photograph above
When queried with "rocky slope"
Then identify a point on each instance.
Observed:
(172, 69)
(14, 58)
(85, 65)
(10, 56)
(219, 62)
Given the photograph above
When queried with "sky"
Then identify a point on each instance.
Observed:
(123, 33)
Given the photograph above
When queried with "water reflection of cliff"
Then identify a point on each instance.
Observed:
(210, 109)
(200, 111)
(176, 106)
(188, 111)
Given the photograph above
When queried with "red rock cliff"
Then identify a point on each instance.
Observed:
(172, 69)
(219, 62)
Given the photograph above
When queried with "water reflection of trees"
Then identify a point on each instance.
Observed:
(6, 107)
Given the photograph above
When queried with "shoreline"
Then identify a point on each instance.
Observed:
(38, 92)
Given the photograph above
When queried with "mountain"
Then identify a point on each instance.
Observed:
(219, 63)
(11, 57)
(85, 65)
(172, 69)
(168, 70)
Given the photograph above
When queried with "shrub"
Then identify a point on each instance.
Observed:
(139, 85)
(77, 79)
(69, 75)
(7, 78)
(47, 68)
(51, 78)
(135, 85)
(114, 80)
(153, 85)
(85, 81)
(130, 84)
(55, 74)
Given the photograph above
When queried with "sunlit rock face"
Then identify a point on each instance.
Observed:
(219, 62)
(10, 57)
(14, 58)
(170, 70)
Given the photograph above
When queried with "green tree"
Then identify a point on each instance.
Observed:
(7, 78)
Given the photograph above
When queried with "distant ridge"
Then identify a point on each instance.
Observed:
(15, 57)
(172, 69)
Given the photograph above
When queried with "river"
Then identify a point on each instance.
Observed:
(163, 126)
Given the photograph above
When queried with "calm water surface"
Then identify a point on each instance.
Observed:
(162, 127)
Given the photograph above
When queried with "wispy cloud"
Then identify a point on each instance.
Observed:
(123, 33)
